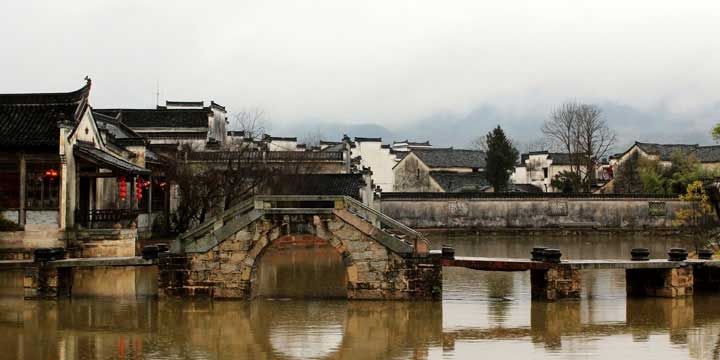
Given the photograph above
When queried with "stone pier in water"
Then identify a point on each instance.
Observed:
(562, 279)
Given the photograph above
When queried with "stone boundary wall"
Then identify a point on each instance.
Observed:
(534, 213)
(90, 243)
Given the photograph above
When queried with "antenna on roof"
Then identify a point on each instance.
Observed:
(157, 94)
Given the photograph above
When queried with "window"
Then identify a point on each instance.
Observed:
(9, 186)
(43, 186)
(545, 173)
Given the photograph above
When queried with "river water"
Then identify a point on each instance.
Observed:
(483, 315)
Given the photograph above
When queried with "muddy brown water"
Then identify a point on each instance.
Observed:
(483, 314)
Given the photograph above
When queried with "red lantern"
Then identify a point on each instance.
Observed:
(138, 187)
(51, 173)
(123, 187)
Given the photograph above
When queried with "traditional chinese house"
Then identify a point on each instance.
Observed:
(67, 173)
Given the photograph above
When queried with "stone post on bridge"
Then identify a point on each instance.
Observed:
(672, 282)
(44, 281)
(559, 281)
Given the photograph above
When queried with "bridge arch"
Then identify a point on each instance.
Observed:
(327, 252)
(222, 260)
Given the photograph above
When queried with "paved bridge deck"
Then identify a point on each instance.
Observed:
(511, 264)
(81, 262)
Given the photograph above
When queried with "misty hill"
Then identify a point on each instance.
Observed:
(453, 129)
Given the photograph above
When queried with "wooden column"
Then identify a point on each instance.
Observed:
(23, 189)
(149, 200)
(166, 201)
(132, 195)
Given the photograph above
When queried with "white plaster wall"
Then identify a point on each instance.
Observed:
(42, 217)
(146, 220)
(379, 160)
(282, 145)
(519, 176)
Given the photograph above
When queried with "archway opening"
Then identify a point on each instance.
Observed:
(300, 266)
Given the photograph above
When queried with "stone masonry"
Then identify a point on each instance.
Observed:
(557, 282)
(229, 270)
(669, 283)
(90, 243)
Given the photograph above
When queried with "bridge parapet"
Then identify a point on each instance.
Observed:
(395, 235)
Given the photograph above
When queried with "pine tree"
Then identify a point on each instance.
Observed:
(501, 159)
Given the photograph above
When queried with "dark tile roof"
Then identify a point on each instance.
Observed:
(238, 133)
(524, 188)
(335, 147)
(446, 158)
(318, 184)
(557, 158)
(30, 121)
(159, 118)
(279, 138)
(525, 156)
(708, 154)
(154, 158)
(217, 106)
(665, 151)
(185, 103)
(413, 143)
(368, 139)
(106, 160)
(561, 158)
(705, 154)
(120, 133)
(459, 182)
(265, 155)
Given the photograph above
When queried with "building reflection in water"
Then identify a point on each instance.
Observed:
(482, 313)
(91, 328)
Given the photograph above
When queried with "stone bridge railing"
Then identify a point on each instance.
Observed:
(399, 237)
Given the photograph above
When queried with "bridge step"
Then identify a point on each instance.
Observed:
(394, 244)
(214, 238)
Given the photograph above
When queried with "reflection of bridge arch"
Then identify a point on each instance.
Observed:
(377, 330)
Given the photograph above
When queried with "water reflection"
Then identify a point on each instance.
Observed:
(598, 245)
(482, 313)
(88, 328)
(302, 266)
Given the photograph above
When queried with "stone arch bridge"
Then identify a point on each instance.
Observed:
(383, 259)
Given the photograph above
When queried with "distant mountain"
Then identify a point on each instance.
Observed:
(335, 132)
(459, 130)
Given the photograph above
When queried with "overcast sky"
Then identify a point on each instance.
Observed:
(392, 63)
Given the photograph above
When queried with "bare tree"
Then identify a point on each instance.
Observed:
(209, 182)
(536, 145)
(312, 138)
(595, 139)
(251, 122)
(479, 143)
(579, 130)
